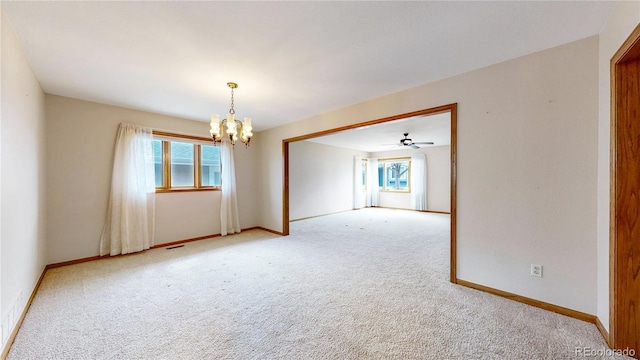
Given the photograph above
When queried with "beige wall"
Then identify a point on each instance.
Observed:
(438, 179)
(320, 179)
(623, 19)
(22, 181)
(80, 145)
(526, 169)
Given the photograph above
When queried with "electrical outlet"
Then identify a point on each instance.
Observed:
(536, 270)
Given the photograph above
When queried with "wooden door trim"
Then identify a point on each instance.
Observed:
(630, 50)
(451, 108)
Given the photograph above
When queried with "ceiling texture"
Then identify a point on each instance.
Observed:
(292, 60)
(387, 136)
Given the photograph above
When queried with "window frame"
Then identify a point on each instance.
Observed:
(166, 138)
(384, 162)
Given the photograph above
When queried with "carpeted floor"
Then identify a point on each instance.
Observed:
(366, 284)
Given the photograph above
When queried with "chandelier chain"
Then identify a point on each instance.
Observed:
(232, 111)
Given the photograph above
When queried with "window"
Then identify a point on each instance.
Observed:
(210, 165)
(393, 174)
(185, 163)
(157, 162)
(182, 164)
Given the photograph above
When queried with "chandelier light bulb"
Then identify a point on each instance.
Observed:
(231, 125)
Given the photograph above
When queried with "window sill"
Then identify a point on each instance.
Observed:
(177, 190)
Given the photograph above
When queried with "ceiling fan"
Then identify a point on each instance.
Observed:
(407, 142)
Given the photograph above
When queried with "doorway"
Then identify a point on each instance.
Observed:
(451, 108)
(624, 303)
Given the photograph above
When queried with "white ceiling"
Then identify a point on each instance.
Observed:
(386, 136)
(292, 60)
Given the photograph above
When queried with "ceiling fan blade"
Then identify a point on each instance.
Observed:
(414, 146)
(424, 142)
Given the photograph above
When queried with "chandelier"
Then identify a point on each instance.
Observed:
(234, 128)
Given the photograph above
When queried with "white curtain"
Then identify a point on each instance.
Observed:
(419, 182)
(229, 220)
(130, 222)
(372, 182)
(357, 183)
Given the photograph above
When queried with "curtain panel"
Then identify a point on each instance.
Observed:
(229, 219)
(358, 189)
(419, 182)
(130, 222)
(373, 182)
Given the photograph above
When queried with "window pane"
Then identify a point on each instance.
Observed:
(181, 164)
(210, 165)
(403, 178)
(157, 162)
(397, 175)
(364, 173)
(380, 174)
(388, 176)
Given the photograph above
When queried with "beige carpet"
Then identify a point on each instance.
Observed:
(366, 284)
